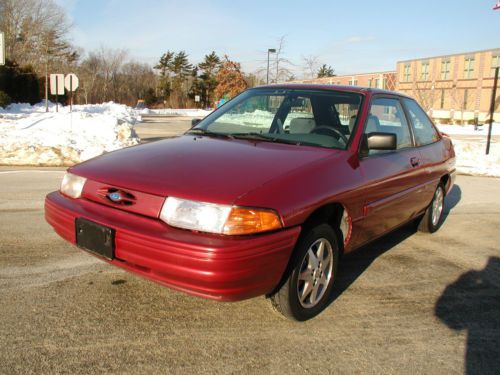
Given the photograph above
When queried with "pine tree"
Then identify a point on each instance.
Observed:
(164, 66)
(326, 71)
(209, 67)
(175, 71)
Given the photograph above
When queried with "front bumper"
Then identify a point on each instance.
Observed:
(216, 267)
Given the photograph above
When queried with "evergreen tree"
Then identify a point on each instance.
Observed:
(175, 71)
(209, 67)
(326, 71)
(164, 66)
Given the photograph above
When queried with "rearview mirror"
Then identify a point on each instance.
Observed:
(195, 122)
(378, 141)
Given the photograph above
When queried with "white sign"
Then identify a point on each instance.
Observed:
(2, 48)
(57, 84)
(196, 98)
(71, 82)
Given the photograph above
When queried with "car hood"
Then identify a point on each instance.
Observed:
(208, 169)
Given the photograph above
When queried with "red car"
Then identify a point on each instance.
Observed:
(264, 195)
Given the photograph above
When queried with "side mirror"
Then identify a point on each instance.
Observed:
(195, 122)
(378, 141)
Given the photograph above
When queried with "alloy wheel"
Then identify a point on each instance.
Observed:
(315, 273)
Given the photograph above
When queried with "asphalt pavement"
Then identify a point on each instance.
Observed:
(409, 303)
(154, 128)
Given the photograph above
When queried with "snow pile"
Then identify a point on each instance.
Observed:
(471, 153)
(469, 129)
(177, 112)
(471, 158)
(31, 136)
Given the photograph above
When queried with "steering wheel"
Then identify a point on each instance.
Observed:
(328, 129)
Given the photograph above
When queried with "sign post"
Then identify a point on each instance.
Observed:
(492, 109)
(57, 86)
(71, 83)
(2, 48)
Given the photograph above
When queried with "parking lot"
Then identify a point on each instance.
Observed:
(410, 303)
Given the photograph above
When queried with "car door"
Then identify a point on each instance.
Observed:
(429, 144)
(390, 178)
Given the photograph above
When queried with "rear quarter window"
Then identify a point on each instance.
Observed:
(425, 132)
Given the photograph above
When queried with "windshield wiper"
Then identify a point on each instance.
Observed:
(253, 135)
(209, 133)
(271, 138)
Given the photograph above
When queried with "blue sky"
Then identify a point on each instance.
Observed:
(351, 36)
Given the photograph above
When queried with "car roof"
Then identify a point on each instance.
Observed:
(358, 89)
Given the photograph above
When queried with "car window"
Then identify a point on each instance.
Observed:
(425, 133)
(386, 116)
(301, 117)
(255, 114)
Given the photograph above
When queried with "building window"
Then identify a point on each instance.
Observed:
(469, 67)
(407, 73)
(495, 63)
(353, 82)
(466, 97)
(442, 98)
(424, 76)
(445, 69)
(370, 82)
(377, 83)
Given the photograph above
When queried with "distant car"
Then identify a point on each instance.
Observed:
(264, 195)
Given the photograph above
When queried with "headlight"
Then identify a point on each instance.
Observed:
(72, 185)
(217, 218)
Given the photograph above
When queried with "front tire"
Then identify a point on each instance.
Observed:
(308, 288)
(432, 218)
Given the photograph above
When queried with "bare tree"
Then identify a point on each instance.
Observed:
(111, 61)
(311, 65)
(137, 79)
(101, 75)
(425, 93)
(36, 33)
(281, 64)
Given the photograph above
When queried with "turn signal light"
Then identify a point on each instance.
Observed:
(243, 220)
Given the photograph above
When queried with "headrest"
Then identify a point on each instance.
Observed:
(302, 125)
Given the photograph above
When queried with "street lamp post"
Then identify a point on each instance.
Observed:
(270, 50)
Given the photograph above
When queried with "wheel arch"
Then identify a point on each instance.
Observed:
(446, 181)
(332, 214)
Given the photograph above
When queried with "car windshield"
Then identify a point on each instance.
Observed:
(323, 118)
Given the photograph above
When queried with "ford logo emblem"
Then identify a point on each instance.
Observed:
(115, 197)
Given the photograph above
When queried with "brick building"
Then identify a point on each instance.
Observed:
(452, 88)
(381, 80)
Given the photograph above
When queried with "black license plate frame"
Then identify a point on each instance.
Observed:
(95, 238)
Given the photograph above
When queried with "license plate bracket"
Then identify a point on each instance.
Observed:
(95, 238)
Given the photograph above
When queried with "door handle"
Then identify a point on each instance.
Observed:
(415, 162)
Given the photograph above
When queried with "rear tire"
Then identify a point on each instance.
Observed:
(431, 221)
(309, 284)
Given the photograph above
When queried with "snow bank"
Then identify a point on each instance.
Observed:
(471, 158)
(469, 129)
(177, 112)
(31, 136)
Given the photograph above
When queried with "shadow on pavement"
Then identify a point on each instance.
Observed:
(452, 199)
(355, 263)
(472, 303)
